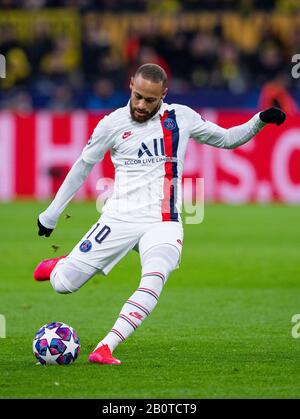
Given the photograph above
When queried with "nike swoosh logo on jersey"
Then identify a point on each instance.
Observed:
(126, 134)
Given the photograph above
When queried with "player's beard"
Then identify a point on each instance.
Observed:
(146, 116)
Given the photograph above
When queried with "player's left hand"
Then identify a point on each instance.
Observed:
(43, 231)
(272, 116)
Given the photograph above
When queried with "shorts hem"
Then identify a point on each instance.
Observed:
(75, 258)
(159, 244)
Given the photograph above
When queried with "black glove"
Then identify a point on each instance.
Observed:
(272, 116)
(43, 231)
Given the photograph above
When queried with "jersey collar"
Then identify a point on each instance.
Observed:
(161, 110)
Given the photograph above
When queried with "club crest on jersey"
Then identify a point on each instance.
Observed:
(85, 246)
(170, 124)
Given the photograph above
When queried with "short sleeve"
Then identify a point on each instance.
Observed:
(99, 143)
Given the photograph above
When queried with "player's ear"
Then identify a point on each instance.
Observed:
(131, 83)
(165, 93)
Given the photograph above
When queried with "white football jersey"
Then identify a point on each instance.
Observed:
(148, 158)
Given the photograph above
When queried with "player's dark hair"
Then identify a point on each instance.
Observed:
(152, 72)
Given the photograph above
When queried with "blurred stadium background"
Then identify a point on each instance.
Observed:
(72, 59)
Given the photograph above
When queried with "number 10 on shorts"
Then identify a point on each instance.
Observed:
(103, 233)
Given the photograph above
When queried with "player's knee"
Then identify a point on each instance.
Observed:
(60, 283)
(163, 258)
(68, 276)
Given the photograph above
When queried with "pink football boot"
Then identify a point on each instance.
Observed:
(43, 271)
(103, 355)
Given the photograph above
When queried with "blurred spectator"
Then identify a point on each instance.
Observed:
(61, 60)
(62, 99)
(42, 44)
(110, 67)
(17, 68)
(8, 4)
(149, 55)
(104, 96)
(275, 93)
(95, 44)
(131, 46)
(288, 6)
(203, 59)
(8, 38)
(181, 56)
(230, 68)
(18, 101)
(33, 4)
(270, 62)
(145, 54)
(163, 6)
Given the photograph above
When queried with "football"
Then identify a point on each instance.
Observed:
(56, 343)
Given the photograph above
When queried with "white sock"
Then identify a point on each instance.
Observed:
(141, 303)
(136, 309)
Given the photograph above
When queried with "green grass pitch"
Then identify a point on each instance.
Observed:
(222, 328)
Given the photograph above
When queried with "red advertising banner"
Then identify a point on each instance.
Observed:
(37, 150)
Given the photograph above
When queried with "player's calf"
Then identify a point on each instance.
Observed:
(157, 264)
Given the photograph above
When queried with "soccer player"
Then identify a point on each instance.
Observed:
(147, 140)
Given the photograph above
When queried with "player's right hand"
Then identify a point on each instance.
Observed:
(43, 231)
